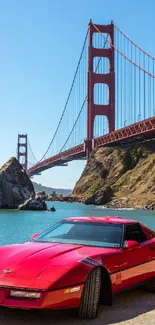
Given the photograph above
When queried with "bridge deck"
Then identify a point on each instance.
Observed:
(137, 132)
(60, 159)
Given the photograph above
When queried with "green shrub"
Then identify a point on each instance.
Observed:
(94, 187)
(104, 172)
(131, 158)
(108, 151)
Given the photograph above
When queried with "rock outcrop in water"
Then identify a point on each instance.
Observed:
(118, 178)
(42, 195)
(15, 185)
(16, 189)
(37, 204)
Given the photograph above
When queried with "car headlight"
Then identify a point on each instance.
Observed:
(25, 294)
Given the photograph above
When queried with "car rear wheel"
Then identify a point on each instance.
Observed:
(90, 295)
(151, 286)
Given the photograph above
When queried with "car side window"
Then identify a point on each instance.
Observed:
(134, 232)
(151, 232)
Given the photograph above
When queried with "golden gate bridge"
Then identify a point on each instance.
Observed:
(111, 101)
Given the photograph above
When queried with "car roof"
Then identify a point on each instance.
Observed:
(109, 219)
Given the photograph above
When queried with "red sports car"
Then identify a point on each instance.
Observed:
(78, 263)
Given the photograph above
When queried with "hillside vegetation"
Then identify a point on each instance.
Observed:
(118, 178)
(49, 190)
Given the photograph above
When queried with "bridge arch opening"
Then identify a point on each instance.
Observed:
(101, 94)
(98, 40)
(101, 65)
(22, 149)
(100, 126)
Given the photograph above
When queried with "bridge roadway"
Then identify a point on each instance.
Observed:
(136, 132)
(135, 307)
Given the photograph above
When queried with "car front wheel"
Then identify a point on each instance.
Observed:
(90, 296)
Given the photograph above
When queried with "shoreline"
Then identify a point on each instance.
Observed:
(114, 204)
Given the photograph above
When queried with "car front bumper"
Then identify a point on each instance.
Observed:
(57, 299)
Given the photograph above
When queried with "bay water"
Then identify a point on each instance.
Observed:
(18, 226)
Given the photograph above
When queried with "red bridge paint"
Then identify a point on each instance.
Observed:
(116, 105)
(136, 132)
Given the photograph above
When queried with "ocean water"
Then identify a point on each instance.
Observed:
(19, 226)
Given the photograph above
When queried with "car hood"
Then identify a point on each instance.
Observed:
(33, 260)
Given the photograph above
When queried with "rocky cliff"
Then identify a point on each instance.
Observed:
(15, 185)
(118, 177)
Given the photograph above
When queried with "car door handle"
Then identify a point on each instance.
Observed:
(151, 248)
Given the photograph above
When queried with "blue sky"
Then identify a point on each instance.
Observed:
(40, 43)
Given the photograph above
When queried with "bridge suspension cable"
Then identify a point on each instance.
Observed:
(134, 91)
(32, 151)
(96, 69)
(129, 39)
(31, 155)
(79, 121)
(65, 107)
(134, 81)
(126, 57)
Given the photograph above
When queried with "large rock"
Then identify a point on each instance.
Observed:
(33, 204)
(15, 185)
(101, 197)
(42, 195)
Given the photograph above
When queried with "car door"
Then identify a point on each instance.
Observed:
(138, 261)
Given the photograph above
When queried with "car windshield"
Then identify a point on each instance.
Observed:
(84, 233)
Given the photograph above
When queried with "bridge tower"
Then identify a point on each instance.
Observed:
(22, 150)
(93, 109)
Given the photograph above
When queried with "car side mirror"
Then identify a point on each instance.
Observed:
(35, 236)
(131, 244)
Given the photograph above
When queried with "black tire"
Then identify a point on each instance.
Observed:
(150, 286)
(90, 295)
